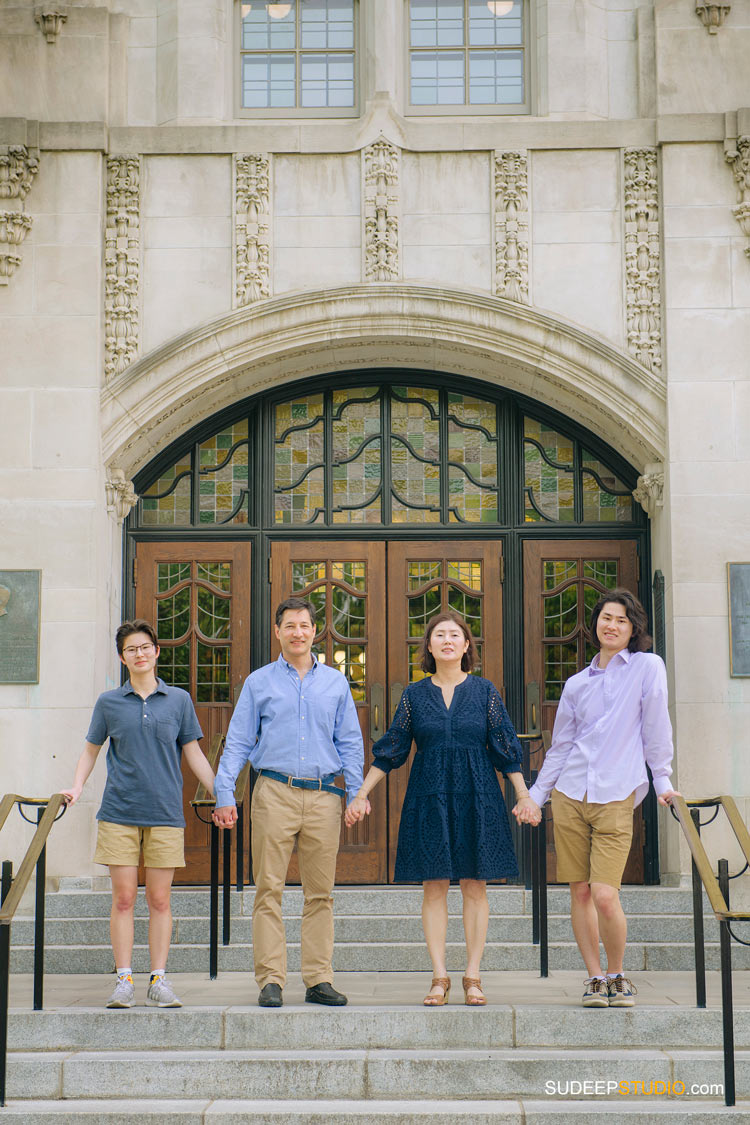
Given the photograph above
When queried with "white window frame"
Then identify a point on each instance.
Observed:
(295, 112)
(466, 108)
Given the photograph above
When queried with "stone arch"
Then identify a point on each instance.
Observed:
(288, 338)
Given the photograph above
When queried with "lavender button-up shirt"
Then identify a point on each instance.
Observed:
(610, 722)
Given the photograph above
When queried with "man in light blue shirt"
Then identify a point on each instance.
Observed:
(296, 723)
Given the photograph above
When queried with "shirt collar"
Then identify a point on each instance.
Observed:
(290, 667)
(128, 689)
(594, 668)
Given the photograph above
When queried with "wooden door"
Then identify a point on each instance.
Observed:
(346, 583)
(424, 578)
(197, 596)
(562, 582)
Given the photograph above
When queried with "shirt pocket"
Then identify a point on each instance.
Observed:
(167, 731)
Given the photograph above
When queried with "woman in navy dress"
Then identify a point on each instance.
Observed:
(454, 825)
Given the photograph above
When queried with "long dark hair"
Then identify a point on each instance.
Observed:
(636, 614)
(469, 658)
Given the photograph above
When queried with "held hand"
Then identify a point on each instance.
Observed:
(225, 816)
(666, 798)
(71, 795)
(527, 811)
(356, 810)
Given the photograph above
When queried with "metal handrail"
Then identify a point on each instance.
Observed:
(11, 893)
(534, 854)
(687, 812)
(204, 800)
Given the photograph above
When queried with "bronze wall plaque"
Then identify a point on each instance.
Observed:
(20, 595)
(738, 576)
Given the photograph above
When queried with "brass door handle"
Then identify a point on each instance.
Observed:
(377, 700)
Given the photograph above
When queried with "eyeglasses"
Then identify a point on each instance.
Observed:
(133, 650)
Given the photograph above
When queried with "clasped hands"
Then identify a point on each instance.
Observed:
(527, 811)
(357, 809)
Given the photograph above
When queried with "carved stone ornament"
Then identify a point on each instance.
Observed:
(50, 19)
(737, 153)
(712, 16)
(18, 166)
(121, 263)
(642, 259)
(511, 226)
(252, 177)
(380, 178)
(649, 491)
(121, 496)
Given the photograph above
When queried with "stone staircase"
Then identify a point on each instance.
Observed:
(227, 1060)
(377, 928)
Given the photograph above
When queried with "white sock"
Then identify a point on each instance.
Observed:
(157, 973)
(611, 976)
(128, 972)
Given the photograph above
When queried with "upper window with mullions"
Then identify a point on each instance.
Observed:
(467, 53)
(298, 55)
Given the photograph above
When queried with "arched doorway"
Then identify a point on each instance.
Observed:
(383, 494)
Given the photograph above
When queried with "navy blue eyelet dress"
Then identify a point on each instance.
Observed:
(454, 823)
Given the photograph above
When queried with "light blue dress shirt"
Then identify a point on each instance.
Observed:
(303, 728)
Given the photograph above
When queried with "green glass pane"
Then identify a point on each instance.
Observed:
(213, 615)
(353, 573)
(603, 571)
(420, 609)
(350, 659)
(549, 489)
(472, 444)
(173, 615)
(318, 599)
(415, 664)
(590, 652)
(174, 665)
(347, 613)
(158, 510)
(171, 574)
(212, 674)
(220, 489)
(356, 472)
(422, 572)
(303, 573)
(219, 574)
(557, 571)
(299, 445)
(605, 499)
(415, 467)
(469, 607)
(560, 662)
(470, 573)
(561, 613)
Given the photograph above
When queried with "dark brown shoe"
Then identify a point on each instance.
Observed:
(325, 993)
(270, 996)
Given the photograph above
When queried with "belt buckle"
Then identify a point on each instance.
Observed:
(320, 784)
(289, 781)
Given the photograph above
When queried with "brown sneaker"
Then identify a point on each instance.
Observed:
(621, 992)
(595, 993)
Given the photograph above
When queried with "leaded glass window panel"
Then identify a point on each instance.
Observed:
(168, 500)
(357, 470)
(415, 455)
(467, 52)
(299, 460)
(443, 584)
(223, 469)
(605, 498)
(338, 590)
(571, 588)
(472, 460)
(549, 474)
(298, 54)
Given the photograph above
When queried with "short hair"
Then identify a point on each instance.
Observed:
(296, 603)
(636, 614)
(469, 658)
(137, 625)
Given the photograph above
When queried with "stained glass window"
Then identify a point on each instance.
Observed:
(472, 460)
(415, 455)
(223, 479)
(168, 499)
(605, 497)
(357, 470)
(192, 620)
(571, 589)
(299, 460)
(334, 588)
(549, 468)
(440, 584)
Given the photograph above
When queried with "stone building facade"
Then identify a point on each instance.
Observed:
(178, 261)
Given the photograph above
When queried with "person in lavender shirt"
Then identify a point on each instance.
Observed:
(611, 723)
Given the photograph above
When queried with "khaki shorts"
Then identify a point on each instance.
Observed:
(592, 842)
(120, 845)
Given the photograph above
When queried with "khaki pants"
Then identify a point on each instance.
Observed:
(282, 816)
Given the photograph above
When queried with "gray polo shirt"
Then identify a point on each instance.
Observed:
(146, 736)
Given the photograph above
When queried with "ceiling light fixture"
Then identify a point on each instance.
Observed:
(500, 7)
(279, 11)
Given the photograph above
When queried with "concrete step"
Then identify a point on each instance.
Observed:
(193, 902)
(366, 928)
(368, 1027)
(362, 1074)
(374, 1112)
(363, 957)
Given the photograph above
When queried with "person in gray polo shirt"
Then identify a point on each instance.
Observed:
(150, 727)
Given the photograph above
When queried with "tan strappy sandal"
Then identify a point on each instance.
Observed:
(473, 1001)
(438, 1001)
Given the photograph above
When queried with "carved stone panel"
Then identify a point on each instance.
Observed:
(511, 195)
(649, 490)
(252, 224)
(642, 257)
(121, 495)
(122, 262)
(737, 154)
(380, 176)
(50, 19)
(18, 167)
(712, 16)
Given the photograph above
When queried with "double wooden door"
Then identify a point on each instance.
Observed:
(373, 601)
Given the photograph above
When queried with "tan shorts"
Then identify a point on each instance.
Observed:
(120, 845)
(592, 842)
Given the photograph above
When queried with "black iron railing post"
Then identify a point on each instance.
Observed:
(698, 938)
(535, 873)
(41, 879)
(227, 885)
(541, 834)
(5, 885)
(213, 935)
(727, 1012)
(240, 856)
